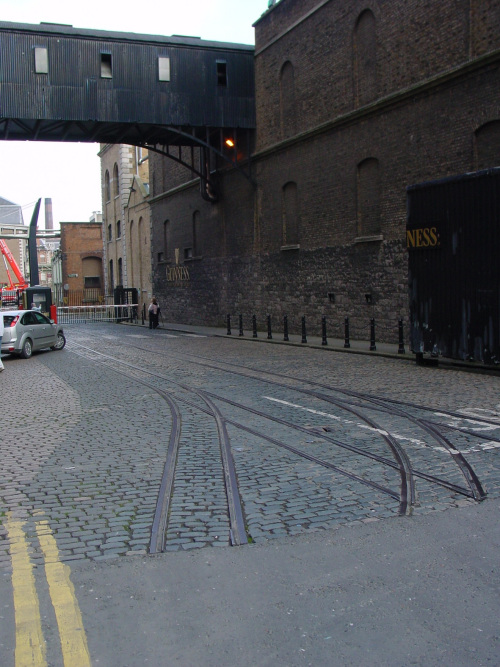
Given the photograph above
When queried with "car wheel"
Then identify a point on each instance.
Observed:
(27, 349)
(61, 342)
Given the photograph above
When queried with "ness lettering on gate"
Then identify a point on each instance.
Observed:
(425, 237)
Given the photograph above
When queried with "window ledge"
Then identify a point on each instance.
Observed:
(369, 239)
(193, 259)
(295, 246)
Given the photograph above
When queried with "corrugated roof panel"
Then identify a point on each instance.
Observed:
(131, 92)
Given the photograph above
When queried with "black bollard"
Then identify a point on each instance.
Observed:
(373, 347)
(346, 333)
(323, 330)
(254, 326)
(304, 336)
(228, 324)
(241, 325)
(285, 328)
(269, 333)
(401, 348)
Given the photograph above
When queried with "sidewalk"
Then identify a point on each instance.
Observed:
(335, 344)
(384, 350)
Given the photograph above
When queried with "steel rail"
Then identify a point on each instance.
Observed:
(407, 494)
(322, 462)
(238, 531)
(470, 476)
(236, 518)
(471, 492)
(383, 460)
(478, 493)
(160, 521)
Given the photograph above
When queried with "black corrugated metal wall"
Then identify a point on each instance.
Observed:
(453, 240)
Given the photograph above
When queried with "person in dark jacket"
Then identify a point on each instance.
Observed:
(154, 312)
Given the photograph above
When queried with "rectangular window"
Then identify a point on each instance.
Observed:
(106, 69)
(92, 281)
(221, 73)
(41, 60)
(163, 68)
(188, 253)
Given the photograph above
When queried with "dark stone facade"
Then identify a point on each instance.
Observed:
(353, 106)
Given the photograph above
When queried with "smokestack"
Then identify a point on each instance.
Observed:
(49, 220)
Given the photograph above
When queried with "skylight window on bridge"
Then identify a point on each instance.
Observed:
(106, 69)
(163, 68)
(221, 73)
(41, 60)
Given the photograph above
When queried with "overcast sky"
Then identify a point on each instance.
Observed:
(70, 173)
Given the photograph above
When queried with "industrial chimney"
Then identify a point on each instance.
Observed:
(49, 220)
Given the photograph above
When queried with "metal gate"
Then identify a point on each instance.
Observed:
(453, 240)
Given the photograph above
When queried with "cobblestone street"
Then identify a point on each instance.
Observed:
(85, 444)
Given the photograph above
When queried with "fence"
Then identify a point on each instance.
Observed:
(92, 296)
(396, 332)
(88, 314)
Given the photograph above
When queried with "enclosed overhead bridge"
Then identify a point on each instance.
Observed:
(189, 99)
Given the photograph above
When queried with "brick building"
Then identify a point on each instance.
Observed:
(355, 101)
(126, 218)
(81, 264)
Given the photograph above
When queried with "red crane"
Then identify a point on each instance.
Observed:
(21, 284)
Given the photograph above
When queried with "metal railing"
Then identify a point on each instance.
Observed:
(89, 314)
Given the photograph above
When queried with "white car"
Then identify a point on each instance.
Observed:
(28, 330)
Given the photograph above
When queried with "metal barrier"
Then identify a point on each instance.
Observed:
(88, 314)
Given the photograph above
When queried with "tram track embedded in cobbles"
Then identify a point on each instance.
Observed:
(159, 532)
(242, 417)
(475, 489)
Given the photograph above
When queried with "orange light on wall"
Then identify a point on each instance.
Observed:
(229, 143)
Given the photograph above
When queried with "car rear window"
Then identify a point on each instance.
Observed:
(7, 320)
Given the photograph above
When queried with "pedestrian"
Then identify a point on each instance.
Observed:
(153, 311)
(1, 334)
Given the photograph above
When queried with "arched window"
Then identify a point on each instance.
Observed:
(365, 58)
(368, 197)
(107, 189)
(487, 145)
(166, 239)
(118, 229)
(290, 208)
(120, 271)
(116, 181)
(111, 276)
(91, 270)
(287, 100)
(110, 232)
(131, 246)
(196, 233)
(140, 258)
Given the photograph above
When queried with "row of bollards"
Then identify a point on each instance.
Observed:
(324, 340)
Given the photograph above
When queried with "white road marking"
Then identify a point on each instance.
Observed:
(301, 407)
(485, 446)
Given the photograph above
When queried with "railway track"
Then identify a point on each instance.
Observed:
(389, 448)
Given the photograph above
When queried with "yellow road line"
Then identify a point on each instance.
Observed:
(30, 644)
(69, 619)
